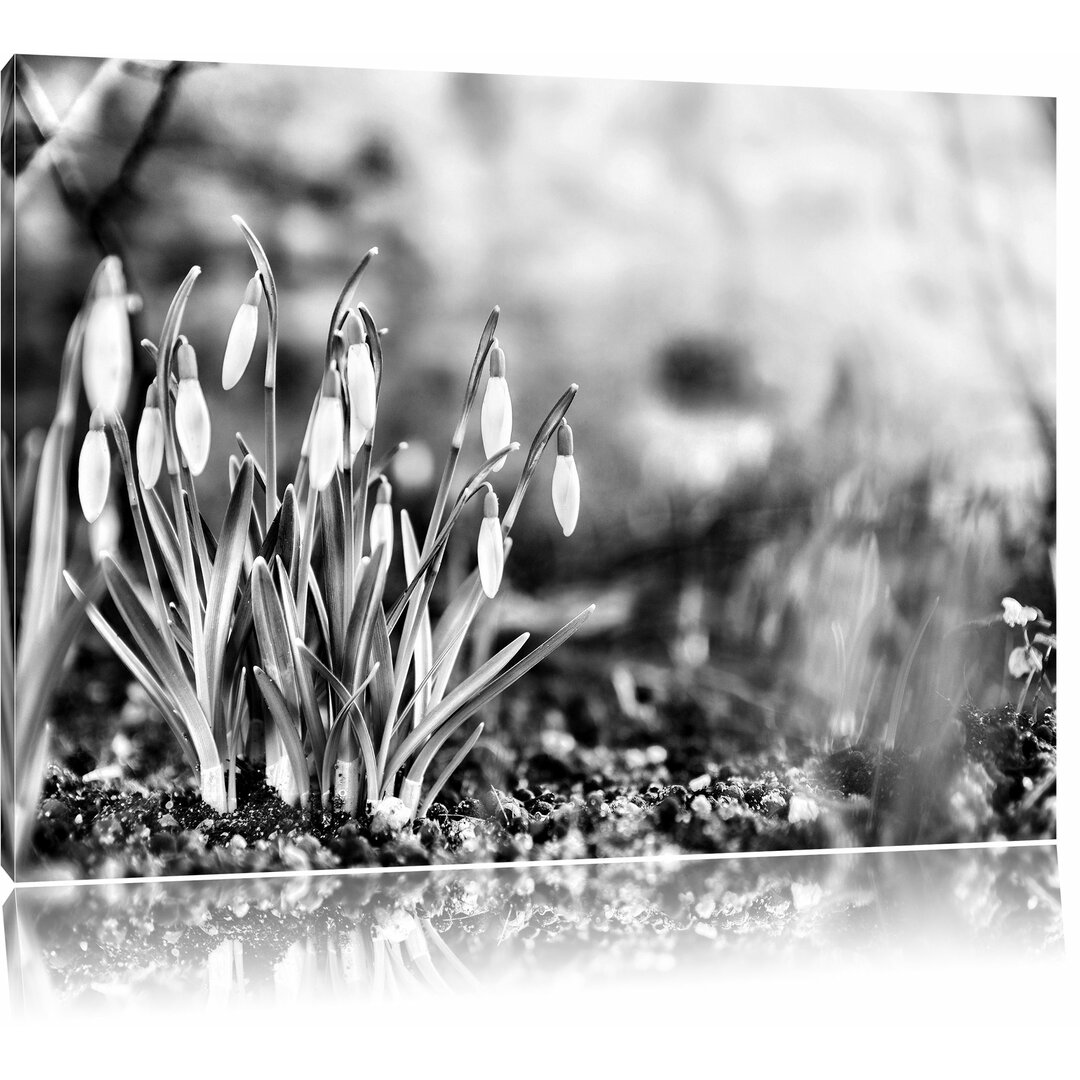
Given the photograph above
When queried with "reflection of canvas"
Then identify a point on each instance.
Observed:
(470, 932)
(807, 480)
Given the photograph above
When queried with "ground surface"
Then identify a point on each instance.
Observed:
(992, 776)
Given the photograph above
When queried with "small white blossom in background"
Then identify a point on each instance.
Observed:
(106, 346)
(242, 334)
(1024, 661)
(1016, 614)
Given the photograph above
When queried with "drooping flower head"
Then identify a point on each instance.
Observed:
(360, 379)
(192, 415)
(94, 468)
(106, 346)
(496, 414)
(565, 487)
(489, 546)
(150, 441)
(381, 529)
(327, 432)
(242, 335)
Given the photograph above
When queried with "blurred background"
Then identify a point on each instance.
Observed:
(813, 330)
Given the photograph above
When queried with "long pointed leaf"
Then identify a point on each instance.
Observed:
(309, 704)
(154, 689)
(422, 653)
(474, 684)
(285, 726)
(445, 775)
(228, 563)
(335, 578)
(161, 661)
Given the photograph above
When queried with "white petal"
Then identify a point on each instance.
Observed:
(193, 424)
(381, 530)
(150, 447)
(94, 467)
(489, 555)
(566, 493)
(327, 435)
(245, 327)
(106, 353)
(496, 417)
(361, 375)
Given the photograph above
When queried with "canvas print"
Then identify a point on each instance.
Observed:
(411, 467)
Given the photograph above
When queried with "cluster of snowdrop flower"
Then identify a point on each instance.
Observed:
(301, 585)
(107, 369)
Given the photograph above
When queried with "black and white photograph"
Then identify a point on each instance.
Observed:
(478, 535)
(473, 468)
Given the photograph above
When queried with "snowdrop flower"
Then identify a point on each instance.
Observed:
(489, 546)
(94, 468)
(565, 488)
(1016, 614)
(106, 346)
(241, 341)
(360, 372)
(381, 529)
(496, 414)
(150, 441)
(327, 433)
(192, 415)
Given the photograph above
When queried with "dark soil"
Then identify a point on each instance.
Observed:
(992, 778)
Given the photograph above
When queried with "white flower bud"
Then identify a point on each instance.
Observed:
(489, 546)
(242, 335)
(360, 372)
(381, 529)
(106, 346)
(150, 441)
(565, 487)
(192, 415)
(327, 434)
(496, 414)
(94, 468)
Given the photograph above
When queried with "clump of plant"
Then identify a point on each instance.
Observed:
(275, 632)
(39, 619)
